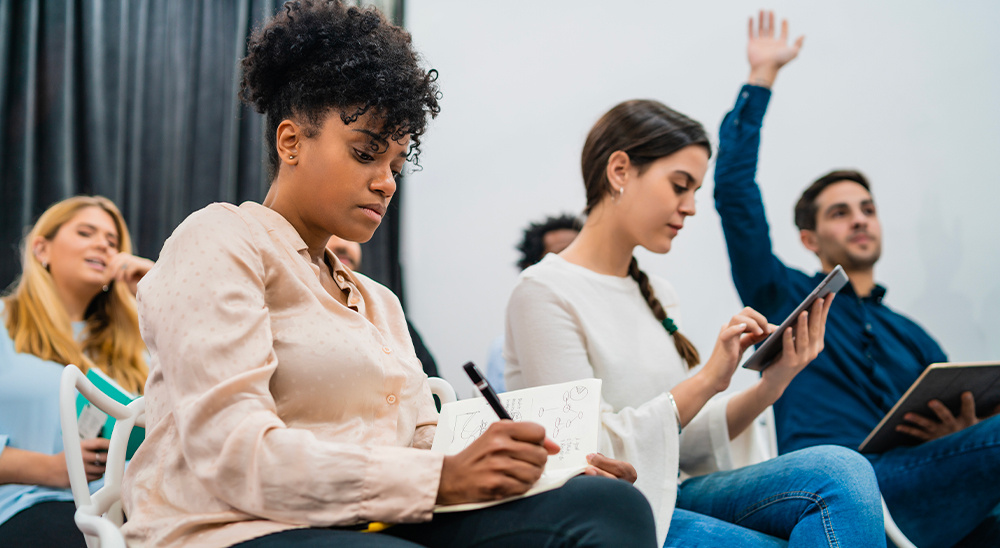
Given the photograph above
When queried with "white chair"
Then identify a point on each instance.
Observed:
(442, 389)
(98, 516)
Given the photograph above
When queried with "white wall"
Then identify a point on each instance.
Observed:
(906, 91)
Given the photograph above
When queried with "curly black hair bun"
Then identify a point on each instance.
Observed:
(315, 56)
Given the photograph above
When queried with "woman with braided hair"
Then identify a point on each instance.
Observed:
(590, 311)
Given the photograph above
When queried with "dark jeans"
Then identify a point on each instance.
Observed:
(587, 511)
(947, 489)
(44, 525)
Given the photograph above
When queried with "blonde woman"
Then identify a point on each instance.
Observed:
(74, 303)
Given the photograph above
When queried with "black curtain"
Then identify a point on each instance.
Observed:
(135, 100)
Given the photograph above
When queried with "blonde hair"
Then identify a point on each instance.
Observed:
(37, 320)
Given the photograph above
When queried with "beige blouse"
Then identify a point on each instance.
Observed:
(271, 405)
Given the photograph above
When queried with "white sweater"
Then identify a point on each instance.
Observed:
(566, 322)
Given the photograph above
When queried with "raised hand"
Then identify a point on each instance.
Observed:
(766, 52)
(505, 461)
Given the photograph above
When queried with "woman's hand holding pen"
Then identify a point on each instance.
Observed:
(505, 461)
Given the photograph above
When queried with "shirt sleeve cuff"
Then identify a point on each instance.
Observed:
(752, 103)
(401, 485)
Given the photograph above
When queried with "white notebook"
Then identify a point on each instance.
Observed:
(570, 413)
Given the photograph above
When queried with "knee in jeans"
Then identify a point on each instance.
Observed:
(849, 472)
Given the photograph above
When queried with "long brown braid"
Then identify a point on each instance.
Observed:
(647, 131)
(684, 345)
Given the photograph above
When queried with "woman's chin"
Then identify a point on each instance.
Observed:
(659, 248)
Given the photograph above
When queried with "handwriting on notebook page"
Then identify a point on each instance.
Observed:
(570, 413)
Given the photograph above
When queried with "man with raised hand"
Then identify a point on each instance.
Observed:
(941, 491)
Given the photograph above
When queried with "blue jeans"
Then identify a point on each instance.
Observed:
(820, 496)
(944, 490)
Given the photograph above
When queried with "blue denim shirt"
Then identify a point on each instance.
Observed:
(872, 354)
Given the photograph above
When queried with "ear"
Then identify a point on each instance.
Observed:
(289, 137)
(809, 240)
(619, 165)
(40, 249)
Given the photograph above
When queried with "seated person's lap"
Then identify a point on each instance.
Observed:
(944, 478)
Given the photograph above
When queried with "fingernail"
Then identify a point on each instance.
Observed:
(590, 456)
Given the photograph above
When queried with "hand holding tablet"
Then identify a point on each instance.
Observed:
(770, 349)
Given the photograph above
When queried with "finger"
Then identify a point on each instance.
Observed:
(550, 445)
(968, 406)
(941, 411)
(770, 24)
(802, 334)
(521, 471)
(760, 24)
(594, 471)
(749, 326)
(798, 44)
(731, 332)
(784, 30)
(750, 28)
(95, 444)
(921, 421)
(915, 432)
(788, 342)
(757, 317)
(817, 320)
(530, 432)
(618, 469)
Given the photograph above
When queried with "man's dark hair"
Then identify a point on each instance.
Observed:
(532, 246)
(805, 209)
(316, 56)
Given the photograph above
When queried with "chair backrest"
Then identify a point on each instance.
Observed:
(442, 389)
(99, 515)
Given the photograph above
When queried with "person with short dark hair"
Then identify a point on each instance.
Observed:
(285, 405)
(549, 236)
(945, 487)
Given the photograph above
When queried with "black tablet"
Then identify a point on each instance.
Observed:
(770, 349)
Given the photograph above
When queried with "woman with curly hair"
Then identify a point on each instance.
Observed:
(74, 303)
(285, 405)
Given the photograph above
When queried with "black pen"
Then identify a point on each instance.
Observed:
(486, 389)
